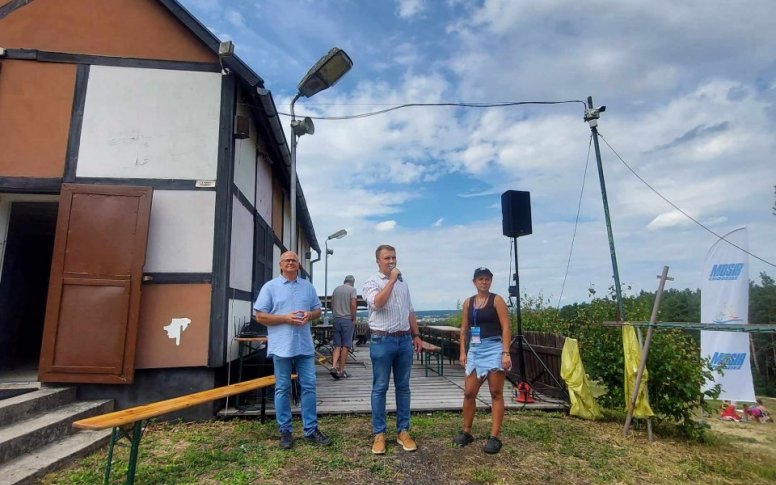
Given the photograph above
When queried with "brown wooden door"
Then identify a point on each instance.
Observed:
(94, 293)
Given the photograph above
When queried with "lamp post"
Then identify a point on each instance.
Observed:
(337, 235)
(323, 75)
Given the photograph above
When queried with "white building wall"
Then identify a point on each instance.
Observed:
(150, 123)
(245, 159)
(241, 250)
(264, 189)
(180, 235)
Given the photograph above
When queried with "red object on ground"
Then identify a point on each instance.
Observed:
(524, 393)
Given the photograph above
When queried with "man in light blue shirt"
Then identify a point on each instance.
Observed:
(286, 305)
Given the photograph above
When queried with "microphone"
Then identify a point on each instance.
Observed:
(399, 276)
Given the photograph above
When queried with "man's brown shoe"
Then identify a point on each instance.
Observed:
(378, 447)
(406, 441)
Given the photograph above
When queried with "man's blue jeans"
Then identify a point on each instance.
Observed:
(391, 354)
(305, 370)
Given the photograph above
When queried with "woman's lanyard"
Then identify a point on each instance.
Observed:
(475, 328)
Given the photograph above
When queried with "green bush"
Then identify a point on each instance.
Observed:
(676, 370)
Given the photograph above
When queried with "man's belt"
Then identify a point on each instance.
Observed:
(382, 333)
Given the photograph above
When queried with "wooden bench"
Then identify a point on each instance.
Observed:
(128, 423)
(361, 333)
(427, 351)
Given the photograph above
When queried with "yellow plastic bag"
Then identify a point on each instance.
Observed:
(572, 371)
(630, 345)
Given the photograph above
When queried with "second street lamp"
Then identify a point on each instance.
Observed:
(326, 304)
(323, 75)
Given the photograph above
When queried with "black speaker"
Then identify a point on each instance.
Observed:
(516, 213)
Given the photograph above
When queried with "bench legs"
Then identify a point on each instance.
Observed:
(134, 439)
(426, 359)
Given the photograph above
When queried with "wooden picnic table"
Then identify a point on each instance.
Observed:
(444, 336)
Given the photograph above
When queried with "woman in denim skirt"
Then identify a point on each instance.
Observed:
(485, 325)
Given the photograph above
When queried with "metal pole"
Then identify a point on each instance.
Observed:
(591, 116)
(520, 357)
(137, 434)
(617, 287)
(114, 437)
(645, 352)
(326, 285)
(293, 178)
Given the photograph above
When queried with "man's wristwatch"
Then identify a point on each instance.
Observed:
(415, 335)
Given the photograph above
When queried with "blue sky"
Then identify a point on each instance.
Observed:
(690, 90)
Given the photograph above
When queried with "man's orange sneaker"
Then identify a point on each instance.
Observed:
(378, 446)
(406, 441)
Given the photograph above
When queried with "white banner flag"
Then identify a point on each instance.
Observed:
(725, 300)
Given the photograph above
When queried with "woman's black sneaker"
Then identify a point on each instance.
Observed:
(493, 445)
(463, 439)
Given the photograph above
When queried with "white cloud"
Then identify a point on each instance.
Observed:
(385, 226)
(438, 222)
(235, 18)
(668, 219)
(409, 8)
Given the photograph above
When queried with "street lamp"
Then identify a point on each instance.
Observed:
(323, 75)
(337, 235)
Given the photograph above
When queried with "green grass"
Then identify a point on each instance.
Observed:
(538, 448)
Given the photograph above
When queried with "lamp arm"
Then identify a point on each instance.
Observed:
(293, 101)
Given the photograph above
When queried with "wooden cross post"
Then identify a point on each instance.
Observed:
(645, 352)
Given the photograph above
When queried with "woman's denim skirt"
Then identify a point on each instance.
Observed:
(484, 357)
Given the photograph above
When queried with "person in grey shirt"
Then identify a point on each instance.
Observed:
(343, 305)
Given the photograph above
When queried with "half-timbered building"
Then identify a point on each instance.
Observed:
(144, 197)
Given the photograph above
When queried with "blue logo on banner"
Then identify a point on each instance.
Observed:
(726, 360)
(726, 271)
(729, 317)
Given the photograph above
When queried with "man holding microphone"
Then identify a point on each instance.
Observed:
(395, 337)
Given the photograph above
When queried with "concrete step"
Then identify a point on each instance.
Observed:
(11, 389)
(25, 405)
(24, 436)
(8, 392)
(31, 467)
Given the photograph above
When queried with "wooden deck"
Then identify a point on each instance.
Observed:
(433, 393)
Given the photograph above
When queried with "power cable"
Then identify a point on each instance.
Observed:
(458, 105)
(677, 207)
(576, 221)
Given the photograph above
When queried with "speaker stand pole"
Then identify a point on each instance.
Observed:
(520, 358)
